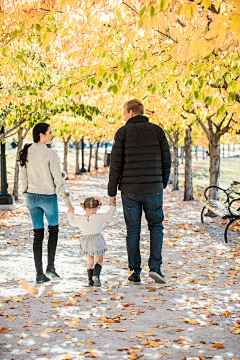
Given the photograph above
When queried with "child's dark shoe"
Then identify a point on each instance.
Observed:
(96, 275)
(90, 274)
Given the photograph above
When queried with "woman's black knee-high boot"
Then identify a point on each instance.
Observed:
(52, 245)
(37, 251)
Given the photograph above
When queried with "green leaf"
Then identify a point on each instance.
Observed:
(141, 72)
(154, 89)
(103, 55)
(109, 89)
(114, 89)
(140, 23)
(4, 51)
(145, 56)
(152, 11)
(196, 94)
(121, 64)
(116, 76)
(38, 27)
(179, 10)
(162, 3)
(93, 80)
(142, 11)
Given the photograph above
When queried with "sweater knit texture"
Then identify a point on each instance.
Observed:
(140, 158)
(92, 224)
(42, 174)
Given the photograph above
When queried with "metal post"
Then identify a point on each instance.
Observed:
(82, 170)
(6, 200)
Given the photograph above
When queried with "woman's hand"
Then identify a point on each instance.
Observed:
(71, 209)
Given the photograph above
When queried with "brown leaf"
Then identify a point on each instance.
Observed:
(4, 330)
(45, 332)
(219, 346)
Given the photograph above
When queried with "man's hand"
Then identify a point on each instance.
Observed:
(113, 201)
(71, 209)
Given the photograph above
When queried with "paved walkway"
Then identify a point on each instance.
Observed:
(196, 315)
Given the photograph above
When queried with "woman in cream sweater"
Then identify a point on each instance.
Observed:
(41, 182)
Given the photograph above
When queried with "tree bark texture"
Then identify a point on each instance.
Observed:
(175, 161)
(77, 168)
(182, 154)
(214, 170)
(170, 180)
(96, 155)
(196, 152)
(188, 186)
(90, 156)
(105, 154)
(66, 142)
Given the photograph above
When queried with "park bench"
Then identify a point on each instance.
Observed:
(228, 209)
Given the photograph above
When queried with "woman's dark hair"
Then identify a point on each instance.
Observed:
(40, 128)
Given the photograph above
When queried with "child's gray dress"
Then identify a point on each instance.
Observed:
(93, 245)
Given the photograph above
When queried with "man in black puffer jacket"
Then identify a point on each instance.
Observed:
(140, 167)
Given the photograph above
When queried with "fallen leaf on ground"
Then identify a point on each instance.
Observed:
(4, 330)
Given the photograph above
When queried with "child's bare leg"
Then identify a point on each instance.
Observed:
(90, 261)
(99, 260)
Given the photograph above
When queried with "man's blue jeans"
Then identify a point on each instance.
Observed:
(39, 205)
(151, 204)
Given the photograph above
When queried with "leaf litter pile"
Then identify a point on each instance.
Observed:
(196, 315)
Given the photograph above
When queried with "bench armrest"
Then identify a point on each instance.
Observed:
(216, 187)
(229, 206)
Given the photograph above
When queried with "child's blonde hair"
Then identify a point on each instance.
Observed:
(91, 203)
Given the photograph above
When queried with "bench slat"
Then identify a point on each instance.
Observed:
(220, 208)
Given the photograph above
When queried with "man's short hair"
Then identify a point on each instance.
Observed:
(135, 105)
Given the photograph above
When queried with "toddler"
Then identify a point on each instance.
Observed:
(92, 243)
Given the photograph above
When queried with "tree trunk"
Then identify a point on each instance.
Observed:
(105, 154)
(66, 142)
(214, 169)
(182, 154)
(203, 152)
(77, 169)
(90, 157)
(196, 152)
(96, 155)
(16, 172)
(223, 151)
(175, 162)
(170, 180)
(188, 187)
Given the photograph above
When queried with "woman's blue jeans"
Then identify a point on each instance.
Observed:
(132, 208)
(38, 205)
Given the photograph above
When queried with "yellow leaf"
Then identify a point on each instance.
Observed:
(66, 357)
(153, 298)
(235, 23)
(89, 342)
(193, 322)
(16, 299)
(76, 320)
(68, 337)
(25, 286)
(133, 356)
(237, 331)
(121, 330)
(79, 345)
(45, 332)
(206, 3)
(140, 336)
(10, 319)
(188, 12)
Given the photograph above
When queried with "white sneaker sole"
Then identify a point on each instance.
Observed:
(134, 282)
(157, 278)
(53, 276)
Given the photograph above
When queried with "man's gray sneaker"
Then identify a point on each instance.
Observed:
(157, 276)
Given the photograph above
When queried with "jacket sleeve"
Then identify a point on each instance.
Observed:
(24, 182)
(56, 172)
(166, 158)
(116, 164)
